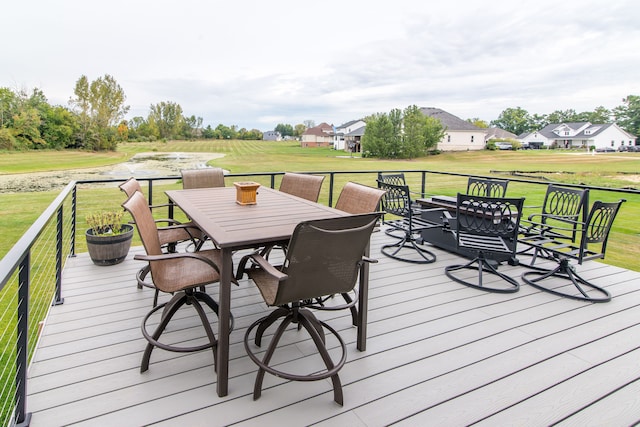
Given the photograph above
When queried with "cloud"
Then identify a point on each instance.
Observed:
(256, 64)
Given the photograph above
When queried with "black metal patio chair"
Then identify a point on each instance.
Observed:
(408, 222)
(562, 211)
(486, 225)
(487, 187)
(595, 231)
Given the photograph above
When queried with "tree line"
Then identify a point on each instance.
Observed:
(518, 120)
(94, 120)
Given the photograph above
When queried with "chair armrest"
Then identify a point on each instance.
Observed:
(176, 255)
(270, 269)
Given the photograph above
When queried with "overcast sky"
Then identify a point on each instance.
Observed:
(257, 63)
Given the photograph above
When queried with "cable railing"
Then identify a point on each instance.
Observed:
(31, 271)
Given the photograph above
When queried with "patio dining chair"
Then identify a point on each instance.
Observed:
(564, 279)
(355, 199)
(397, 179)
(408, 222)
(487, 187)
(183, 275)
(170, 235)
(202, 178)
(310, 270)
(563, 209)
(302, 185)
(486, 226)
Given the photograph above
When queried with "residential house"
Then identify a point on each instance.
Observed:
(339, 142)
(317, 136)
(353, 140)
(460, 135)
(579, 135)
(271, 135)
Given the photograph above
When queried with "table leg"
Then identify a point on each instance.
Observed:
(224, 314)
(363, 303)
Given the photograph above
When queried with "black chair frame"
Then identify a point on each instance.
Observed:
(487, 225)
(594, 231)
(397, 201)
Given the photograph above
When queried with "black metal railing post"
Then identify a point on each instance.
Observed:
(331, 181)
(74, 216)
(423, 189)
(21, 416)
(59, 254)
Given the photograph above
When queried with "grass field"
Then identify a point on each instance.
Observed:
(615, 170)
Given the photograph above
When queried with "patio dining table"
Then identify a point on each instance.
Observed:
(233, 226)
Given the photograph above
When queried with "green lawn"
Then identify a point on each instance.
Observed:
(607, 170)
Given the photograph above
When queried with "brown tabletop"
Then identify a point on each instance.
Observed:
(232, 226)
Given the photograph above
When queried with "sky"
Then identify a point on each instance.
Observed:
(257, 63)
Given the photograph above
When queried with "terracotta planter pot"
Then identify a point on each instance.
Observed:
(108, 249)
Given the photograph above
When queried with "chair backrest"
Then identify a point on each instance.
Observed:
(302, 185)
(598, 225)
(137, 206)
(202, 178)
(487, 187)
(488, 217)
(324, 257)
(396, 200)
(392, 178)
(130, 186)
(564, 203)
(358, 199)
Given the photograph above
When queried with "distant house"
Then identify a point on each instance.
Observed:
(353, 139)
(460, 135)
(339, 142)
(271, 135)
(579, 135)
(497, 133)
(317, 136)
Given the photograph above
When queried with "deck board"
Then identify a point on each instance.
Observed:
(438, 353)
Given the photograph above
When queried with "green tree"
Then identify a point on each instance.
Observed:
(100, 106)
(566, 116)
(299, 129)
(168, 118)
(478, 122)
(401, 134)
(284, 129)
(225, 132)
(515, 120)
(628, 115)
(59, 127)
(26, 129)
(208, 132)
(599, 115)
(8, 107)
(191, 126)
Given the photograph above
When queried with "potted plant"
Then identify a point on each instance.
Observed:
(108, 239)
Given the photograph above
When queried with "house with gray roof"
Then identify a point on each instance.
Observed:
(460, 135)
(339, 141)
(579, 135)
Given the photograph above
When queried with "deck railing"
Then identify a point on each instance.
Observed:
(31, 271)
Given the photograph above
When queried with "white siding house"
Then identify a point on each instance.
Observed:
(344, 129)
(460, 135)
(579, 135)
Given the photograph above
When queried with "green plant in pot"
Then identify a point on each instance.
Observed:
(108, 238)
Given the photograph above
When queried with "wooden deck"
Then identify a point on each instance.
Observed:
(438, 353)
